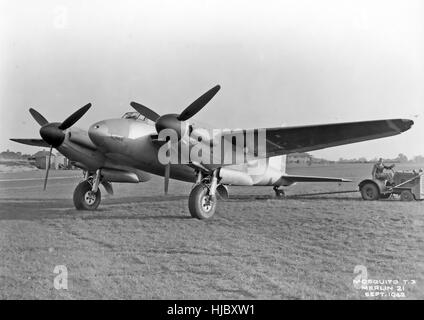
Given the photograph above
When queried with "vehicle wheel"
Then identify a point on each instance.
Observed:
(84, 198)
(369, 191)
(406, 195)
(200, 203)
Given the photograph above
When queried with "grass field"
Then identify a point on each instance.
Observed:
(141, 244)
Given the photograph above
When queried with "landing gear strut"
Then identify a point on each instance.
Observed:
(87, 195)
(279, 193)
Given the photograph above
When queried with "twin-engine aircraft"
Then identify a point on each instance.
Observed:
(143, 142)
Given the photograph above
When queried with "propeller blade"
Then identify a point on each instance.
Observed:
(143, 110)
(70, 121)
(166, 176)
(48, 169)
(197, 105)
(32, 142)
(38, 117)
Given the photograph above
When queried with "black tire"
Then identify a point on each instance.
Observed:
(279, 193)
(84, 199)
(201, 205)
(369, 191)
(406, 195)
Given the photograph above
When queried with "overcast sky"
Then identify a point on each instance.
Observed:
(283, 62)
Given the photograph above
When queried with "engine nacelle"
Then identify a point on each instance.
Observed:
(114, 175)
(234, 177)
(81, 137)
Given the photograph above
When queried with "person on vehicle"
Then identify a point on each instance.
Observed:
(378, 171)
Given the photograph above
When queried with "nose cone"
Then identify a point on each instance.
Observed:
(98, 133)
(52, 134)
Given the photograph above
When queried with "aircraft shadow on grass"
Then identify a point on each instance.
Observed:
(30, 209)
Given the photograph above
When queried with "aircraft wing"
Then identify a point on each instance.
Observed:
(32, 142)
(287, 179)
(284, 140)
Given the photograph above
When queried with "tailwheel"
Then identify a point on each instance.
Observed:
(85, 198)
(201, 203)
(279, 193)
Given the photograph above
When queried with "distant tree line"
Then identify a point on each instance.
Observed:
(11, 155)
(301, 157)
(401, 158)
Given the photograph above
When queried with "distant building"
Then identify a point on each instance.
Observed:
(58, 161)
(299, 158)
(40, 159)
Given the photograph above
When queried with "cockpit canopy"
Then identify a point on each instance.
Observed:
(134, 115)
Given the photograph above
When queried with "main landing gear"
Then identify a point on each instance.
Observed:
(203, 197)
(87, 195)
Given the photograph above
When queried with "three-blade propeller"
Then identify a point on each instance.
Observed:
(52, 132)
(176, 122)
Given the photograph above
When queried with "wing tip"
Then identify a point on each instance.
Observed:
(407, 124)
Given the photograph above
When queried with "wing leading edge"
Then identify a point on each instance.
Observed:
(285, 140)
(308, 138)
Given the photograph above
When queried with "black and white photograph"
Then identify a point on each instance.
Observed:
(211, 153)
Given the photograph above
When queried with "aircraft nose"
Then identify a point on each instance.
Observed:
(98, 132)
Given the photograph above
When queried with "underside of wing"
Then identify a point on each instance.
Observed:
(32, 142)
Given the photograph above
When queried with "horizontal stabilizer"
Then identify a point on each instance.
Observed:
(32, 142)
(286, 180)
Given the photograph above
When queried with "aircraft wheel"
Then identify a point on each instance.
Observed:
(200, 203)
(406, 195)
(279, 193)
(369, 191)
(84, 198)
